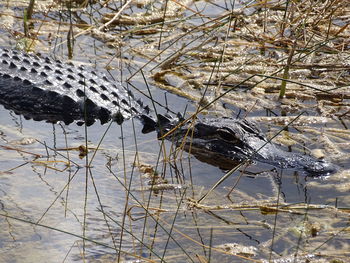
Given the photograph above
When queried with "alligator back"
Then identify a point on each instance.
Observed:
(41, 88)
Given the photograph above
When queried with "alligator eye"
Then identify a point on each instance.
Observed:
(226, 135)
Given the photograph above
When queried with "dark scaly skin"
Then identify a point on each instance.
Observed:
(45, 89)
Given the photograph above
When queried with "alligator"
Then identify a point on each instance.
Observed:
(42, 88)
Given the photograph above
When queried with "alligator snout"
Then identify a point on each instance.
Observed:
(320, 168)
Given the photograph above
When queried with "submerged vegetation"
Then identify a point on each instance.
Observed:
(109, 194)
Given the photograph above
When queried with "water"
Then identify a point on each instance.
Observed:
(32, 189)
(45, 219)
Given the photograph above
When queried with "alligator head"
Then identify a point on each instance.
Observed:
(226, 142)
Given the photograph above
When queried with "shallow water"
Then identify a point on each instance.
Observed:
(45, 219)
(36, 191)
